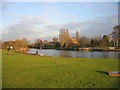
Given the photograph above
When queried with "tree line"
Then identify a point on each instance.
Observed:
(18, 44)
(65, 41)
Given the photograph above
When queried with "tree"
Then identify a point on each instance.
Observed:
(105, 41)
(46, 46)
(17, 44)
(84, 42)
(56, 43)
(64, 37)
(39, 43)
(92, 43)
(25, 42)
(116, 35)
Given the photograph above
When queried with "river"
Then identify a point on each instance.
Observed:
(76, 54)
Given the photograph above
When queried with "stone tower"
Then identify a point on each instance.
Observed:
(77, 36)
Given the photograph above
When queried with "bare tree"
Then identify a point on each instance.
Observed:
(116, 35)
(84, 42)
(39, 43)
(64, 37)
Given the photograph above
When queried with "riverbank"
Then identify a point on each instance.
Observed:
(84, 49)
(32, 54)
(29, 71)
(97, 49)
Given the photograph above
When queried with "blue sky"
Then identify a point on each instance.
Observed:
(43, 20)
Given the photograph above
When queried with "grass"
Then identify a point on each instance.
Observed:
(28, 71)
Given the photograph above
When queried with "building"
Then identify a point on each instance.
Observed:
(74, 41)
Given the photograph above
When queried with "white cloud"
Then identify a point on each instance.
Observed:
(28, 27)
(98, 26)
(38, 27)
(60, 0)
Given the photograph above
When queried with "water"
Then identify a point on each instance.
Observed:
(76, 54)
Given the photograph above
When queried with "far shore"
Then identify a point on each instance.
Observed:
(96, 49)
(84, 49)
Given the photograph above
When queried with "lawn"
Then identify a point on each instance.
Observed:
(29, 71)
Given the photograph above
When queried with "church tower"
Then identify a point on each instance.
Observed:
(77, 36)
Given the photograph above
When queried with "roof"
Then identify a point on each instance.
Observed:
(74, 41)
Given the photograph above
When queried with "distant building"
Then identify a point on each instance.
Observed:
(77, 36)
(74, 41)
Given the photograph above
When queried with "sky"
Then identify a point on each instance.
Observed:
(43, 20)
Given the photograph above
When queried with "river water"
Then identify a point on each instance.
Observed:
(76, 54)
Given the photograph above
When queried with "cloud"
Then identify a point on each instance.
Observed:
(37, 27)
(60, 0)
(109, 7)
(8, 14)
(53, 26)
(98, 26)
(29, 27)
(95, 27)
(32, 21)
(67, 17)
(29, 32)
(3, 5)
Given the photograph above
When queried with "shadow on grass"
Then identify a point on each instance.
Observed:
(102, 72)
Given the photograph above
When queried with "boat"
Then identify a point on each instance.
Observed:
(114, 73)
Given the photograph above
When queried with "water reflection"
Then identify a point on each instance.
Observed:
(76, 54)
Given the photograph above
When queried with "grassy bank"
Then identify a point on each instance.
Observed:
(28, 71)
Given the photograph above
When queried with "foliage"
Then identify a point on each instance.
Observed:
(38, 43)
(64, 38)
(84, 42)
(116, 36)
(17, 44)
(48, 46)
(56, 43)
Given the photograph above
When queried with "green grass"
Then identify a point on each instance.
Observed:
(28, 71)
